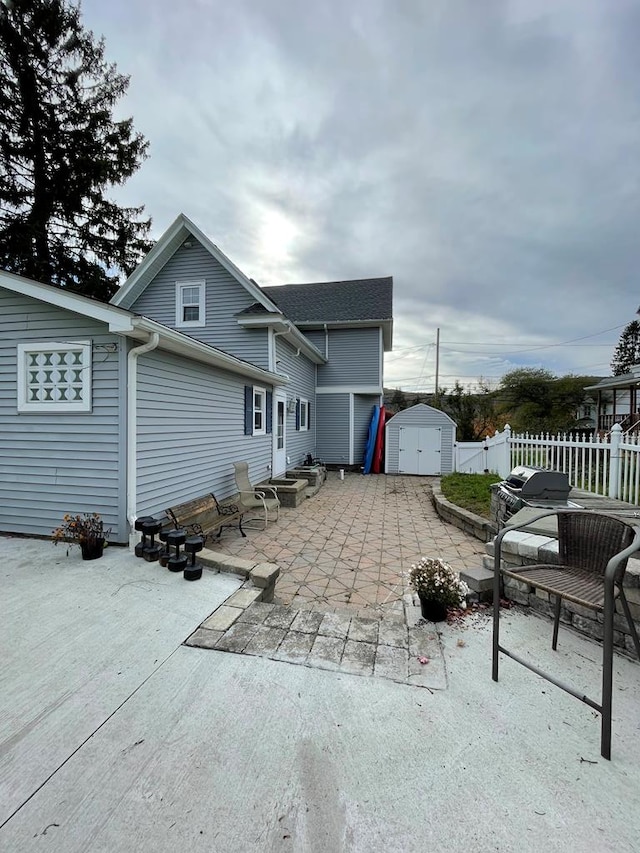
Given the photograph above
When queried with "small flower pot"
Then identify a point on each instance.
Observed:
(93, 549)
(433, 610)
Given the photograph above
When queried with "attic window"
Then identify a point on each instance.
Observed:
(54, 377)
(190, 303)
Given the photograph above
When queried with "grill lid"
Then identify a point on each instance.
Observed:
(531, 483)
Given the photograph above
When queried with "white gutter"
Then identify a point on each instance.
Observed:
(176, 342)
(132, 430)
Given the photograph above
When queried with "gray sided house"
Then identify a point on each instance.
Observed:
(351, 324)
(131, 407)
(419, 440)
(325, 340)
(105, 411)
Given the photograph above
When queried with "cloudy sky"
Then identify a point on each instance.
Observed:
(485, 153)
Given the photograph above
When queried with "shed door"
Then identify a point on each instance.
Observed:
(420, 450)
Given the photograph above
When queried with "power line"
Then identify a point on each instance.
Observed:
(529, 347)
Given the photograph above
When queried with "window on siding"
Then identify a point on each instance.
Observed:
(190, 303)
(259, 411)
(54, 377)
(303, 415)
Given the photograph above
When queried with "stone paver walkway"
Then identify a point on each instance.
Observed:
(352, 544)
(403, 649)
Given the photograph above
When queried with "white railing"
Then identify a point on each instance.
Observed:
(605, 466)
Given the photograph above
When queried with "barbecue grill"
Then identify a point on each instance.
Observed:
(527, 485)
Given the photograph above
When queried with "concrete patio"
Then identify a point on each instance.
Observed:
(115, 736)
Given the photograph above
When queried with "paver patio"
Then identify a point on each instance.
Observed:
(350, 544)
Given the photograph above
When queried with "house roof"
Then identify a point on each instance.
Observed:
(322, 301)
(180, 230)
(183, 229)
(123, 322)
(625, 380)
(357, 302)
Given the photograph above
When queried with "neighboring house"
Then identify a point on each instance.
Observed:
(617, 401)
(128, 408)
(586, 415)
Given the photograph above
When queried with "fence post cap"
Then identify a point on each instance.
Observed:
(616, 428)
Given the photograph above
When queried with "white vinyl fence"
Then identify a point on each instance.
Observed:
(605, 466)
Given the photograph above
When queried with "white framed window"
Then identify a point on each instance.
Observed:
(259, 411)
(54, 377)
(190, 303)
(303, 415)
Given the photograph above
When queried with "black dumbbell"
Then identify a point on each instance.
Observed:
(151, 552)
(193, 545)
(139, 526)
(177, 562)
(165, 553)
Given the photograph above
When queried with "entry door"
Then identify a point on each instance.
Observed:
(279, 433)
(420, 450)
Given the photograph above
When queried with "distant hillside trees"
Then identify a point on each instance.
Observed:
(530, 399)
(535, 400)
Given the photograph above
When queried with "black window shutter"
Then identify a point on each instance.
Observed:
(248, 409)
(269, 410)
(297, 414)
(308, 415)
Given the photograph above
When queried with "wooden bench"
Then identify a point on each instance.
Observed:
(205, 516)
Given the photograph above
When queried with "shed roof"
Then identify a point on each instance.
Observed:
(416, 409)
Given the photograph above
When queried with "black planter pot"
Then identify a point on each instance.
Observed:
(433, 610)
(92, 550)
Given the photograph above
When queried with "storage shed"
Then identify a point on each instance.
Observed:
(419, 440)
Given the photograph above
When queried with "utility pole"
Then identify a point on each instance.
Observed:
(437, 394)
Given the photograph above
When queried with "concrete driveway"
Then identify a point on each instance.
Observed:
(116, 737)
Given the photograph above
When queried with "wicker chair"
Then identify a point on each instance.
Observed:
(593, 553)
(263, 498)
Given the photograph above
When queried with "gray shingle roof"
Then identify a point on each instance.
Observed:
(335, 301)
(625, 380)
(255, 308)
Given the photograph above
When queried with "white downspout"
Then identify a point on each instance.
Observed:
(132, 430)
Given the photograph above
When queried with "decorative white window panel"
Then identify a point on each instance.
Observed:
(259, 411)
(54, 377)
(190, 303)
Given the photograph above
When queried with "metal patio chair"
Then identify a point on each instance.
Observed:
(262, 498)
(593, 553)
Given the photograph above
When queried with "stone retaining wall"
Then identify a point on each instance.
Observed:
(472, 524)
